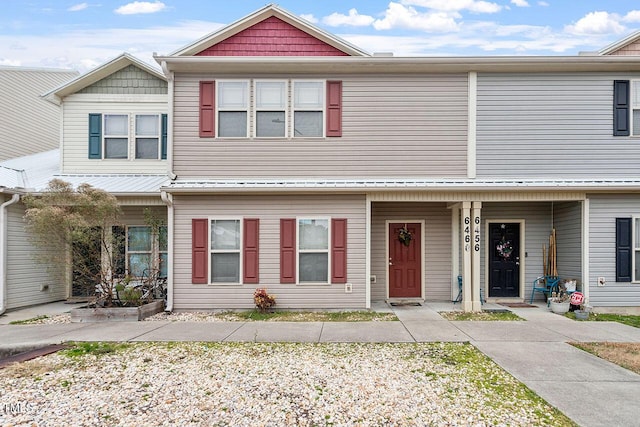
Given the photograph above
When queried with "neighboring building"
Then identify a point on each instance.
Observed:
(28, 123)
(292, 160)
(114, 138)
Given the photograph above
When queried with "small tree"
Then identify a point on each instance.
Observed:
(74, 229)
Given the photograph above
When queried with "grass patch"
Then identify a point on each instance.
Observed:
(626, 355)
(481, 316)
(310, 316)
(92, 348)
(626, 319)
(36, 319)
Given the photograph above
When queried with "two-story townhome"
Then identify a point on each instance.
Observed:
(336, 178)
(113, 137)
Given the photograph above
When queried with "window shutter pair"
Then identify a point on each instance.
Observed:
(624, 227)
(288, 250)
(200, 251)
(207, 106)
(95, 136)
(621, 92)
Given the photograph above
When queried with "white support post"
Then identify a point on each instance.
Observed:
(476, 304)
(466, 223)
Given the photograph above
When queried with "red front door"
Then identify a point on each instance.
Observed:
(405, 271)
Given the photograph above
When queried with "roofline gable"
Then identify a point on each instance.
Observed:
(617, 45)
(259, 16)
(99, 73)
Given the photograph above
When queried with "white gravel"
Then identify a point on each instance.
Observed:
(255, 384)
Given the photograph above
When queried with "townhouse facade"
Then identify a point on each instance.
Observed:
(283, 157)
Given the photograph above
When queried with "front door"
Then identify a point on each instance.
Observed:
(405, 272)
(504, 260)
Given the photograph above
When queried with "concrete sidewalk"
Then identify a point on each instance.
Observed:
(589, 390)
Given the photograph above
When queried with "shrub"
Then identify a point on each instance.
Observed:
(263, 300)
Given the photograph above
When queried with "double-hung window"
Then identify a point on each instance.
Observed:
(635, 108)
(225, 250)
(140, 248)
(270, 108)
(116, 136)
(313, 250)
(147, 136)
(308, 108)
(636, 249)
(233, 109)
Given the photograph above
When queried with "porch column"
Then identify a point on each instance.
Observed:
(466, 256)
(476, 304)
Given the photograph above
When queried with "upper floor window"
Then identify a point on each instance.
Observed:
(270, 108)
(116, 136)
(233, 109)
(110, 136)
(635, 108)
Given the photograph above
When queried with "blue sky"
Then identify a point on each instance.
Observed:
(83, 34)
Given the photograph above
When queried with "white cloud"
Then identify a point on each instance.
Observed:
(354, 19)
(399, 16)
(309, 17)
(11, 62)
(476, 6)
(85, 49)
(543, 3)
(520, 3)
(138, 7)
(632, 16)
(597, 23)
(78, 7)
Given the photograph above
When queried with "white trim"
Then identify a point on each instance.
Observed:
(158, 136)
(619, 44)
(367, 246)
(315, 218)
(240, 251)
(634, 248)
(171, 100)
(585, 248)
(471, 124)
(423, 271)
(487, 240)
(476, 245)
(105, 136)
(455, 250)
(633, 106)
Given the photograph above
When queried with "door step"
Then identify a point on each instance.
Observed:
(405, 303)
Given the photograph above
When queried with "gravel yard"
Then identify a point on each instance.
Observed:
(272, 384)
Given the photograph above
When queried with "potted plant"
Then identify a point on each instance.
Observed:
(559, 301)
(583, 312)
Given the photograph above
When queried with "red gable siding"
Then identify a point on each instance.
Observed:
(271, 37)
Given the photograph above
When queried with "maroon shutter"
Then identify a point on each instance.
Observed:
(334, 108)
(199, 242)
(338, 251)
(250, 246)
(287, 251)
(207, 109)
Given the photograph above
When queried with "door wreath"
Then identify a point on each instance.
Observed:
(405, 236)
(504, 248)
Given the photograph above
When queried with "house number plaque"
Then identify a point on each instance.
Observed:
(467, 233)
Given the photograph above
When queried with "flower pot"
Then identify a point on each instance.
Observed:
(581, 314)
(559, 307)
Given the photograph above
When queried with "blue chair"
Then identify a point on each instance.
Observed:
(546, 285)
(459, 297)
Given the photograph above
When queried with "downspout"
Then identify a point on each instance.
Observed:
(3, 251)
(168, 200)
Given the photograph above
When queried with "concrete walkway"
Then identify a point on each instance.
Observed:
(589, 390)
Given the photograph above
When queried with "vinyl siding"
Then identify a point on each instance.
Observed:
(25, 274)
(567, 219)
(537, 227)
(392, 126)
(269, 209)
(129, 80)
(436, 246)
(28, 123)
(75, 127)
(604, 209)
(551, 126)
(632, 49)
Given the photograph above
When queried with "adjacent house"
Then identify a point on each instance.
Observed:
(113, 136)
(284, 157)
